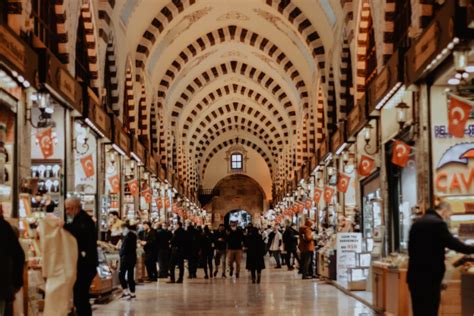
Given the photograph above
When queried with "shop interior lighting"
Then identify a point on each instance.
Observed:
(118, 149)
(388, 96)
(367, 137)
(442, 54)
(134, 156)
(402, 109)
(89, 122)
(341, 149)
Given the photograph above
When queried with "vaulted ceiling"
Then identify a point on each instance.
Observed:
(222, 72)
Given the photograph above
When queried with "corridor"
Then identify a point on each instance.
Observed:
(280, 293)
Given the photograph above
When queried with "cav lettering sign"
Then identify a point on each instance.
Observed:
(453, 157)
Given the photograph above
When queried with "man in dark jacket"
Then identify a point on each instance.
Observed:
(128, 260)
(163, 236)
(429, 237)
(192, 250)
(82, 227)
(151, 251)
(221, 249)
(178, 244)
(290, 243)
(12, 261)
(235, 240)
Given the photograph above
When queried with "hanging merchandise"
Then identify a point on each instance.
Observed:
(343, 182)
(458, 115)
(45, 141)
(400, 153)
(366, 165)
(328, 194)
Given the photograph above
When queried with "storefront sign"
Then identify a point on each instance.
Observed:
(97, 115)
(348, 245)
(151, 165)
(121, 138)
(323, 149)
(140, 150)
(357, 118)
(58, 79)
(18, 54)
(337, 139)
(426, 46)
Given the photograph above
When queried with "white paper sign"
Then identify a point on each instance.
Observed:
(348, 244)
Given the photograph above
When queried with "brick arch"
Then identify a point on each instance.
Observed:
(92, 53)
(237, 140)
(346, 82)
(130, 118)
(110, 76)
(286, 8)
(366, 54)
(332, 116)
(227, 90)
(236, 67)
(221, 35)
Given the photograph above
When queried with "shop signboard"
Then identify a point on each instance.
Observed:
(151, 165)
(323, 149)
(348, 246)
(444, 27)
(386, 80)
(55, 76)
(453, 157)
(140, 150)
(337, 139)
(18, 55)
(357, 118)
(121, 138)
(97, 115)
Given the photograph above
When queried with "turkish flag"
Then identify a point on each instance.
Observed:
(458, 114)
(114, 182)
(159, 203)
(175, 208)
(328, 194)
(133, 187)
(45, 141)
(147, 195)
(400, 153)
(343, 181)
(167, 203)
(308, 204)
(317, 195)
(366, 165)
(87, 163)
(299, 208)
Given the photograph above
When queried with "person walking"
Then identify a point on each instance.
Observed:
(290, 243)
(428, 239)
(151, 251)
(275, 242)
(82, 227)
(306, 246)
(255, 254)
(207, 251)
(163, 240)
(12, 262)
(235, 239)
(221, 250)
(192, 250)
(178, 245)
(128, 260)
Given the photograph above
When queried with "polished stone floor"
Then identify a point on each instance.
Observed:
(280, 293)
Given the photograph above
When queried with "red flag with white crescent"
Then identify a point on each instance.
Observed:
(87, 163)
(133, 187)
(343, 182)
(328, 194)
(308, 204)
(366, 165)
(458, 114)
(45, 141)
(400, 153)
(159, 203)
(317, 195)
(167, 203)
(147, 195)
(114, 182)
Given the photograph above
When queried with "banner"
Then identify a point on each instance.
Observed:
(343, 181)
(400, 153)
(45, 141)
(133, 187)
(366, 165)
(167, 203)
(458, 114)
(87, 163)
(328, 194)
(147, 195)
(317, 195)
(114, 182)
(308, 204)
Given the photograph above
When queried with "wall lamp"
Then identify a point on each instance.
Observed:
(41, 100)
(402, 109)
(370, 149)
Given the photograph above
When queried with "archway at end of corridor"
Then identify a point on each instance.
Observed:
(242, 217)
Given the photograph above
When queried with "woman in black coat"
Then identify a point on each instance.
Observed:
(255, 253)
(128, 260)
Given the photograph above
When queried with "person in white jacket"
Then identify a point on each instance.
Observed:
(59, 264)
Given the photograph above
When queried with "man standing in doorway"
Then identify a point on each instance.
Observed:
(429, 237)
(82, 227)
(235, 240)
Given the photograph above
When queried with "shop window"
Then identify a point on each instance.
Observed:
(45, 23)
(236, 161)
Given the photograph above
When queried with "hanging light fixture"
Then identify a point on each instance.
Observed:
(367, 137)
(402, 109)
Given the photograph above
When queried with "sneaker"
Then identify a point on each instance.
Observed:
(132, 297)
(125, 295)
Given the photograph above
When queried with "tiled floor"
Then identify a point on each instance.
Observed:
(280, 293)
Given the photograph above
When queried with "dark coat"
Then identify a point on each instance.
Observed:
(83, 229)
(429, 237)
(151, 247)
(178, 242)
(128, 250)
(193, 242)
(235, 239)
(12, 261)
(290, 239)
(207, 241)
(255, 251)
(163, 238)
(220, 240)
